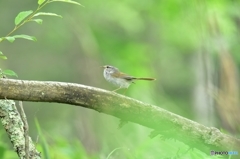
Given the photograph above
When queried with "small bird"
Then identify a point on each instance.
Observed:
(122, 80)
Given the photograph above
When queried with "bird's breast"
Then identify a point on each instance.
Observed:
(120, 82)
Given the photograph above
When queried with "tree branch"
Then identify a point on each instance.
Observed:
(167, 124)
(25, 127)
(14, 126)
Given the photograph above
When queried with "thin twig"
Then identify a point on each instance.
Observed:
(25, 127)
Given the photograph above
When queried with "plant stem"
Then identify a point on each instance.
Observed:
(28, 19)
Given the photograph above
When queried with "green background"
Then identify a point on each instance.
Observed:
(180, 43)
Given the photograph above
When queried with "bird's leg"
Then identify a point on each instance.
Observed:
(125, 91)
(116, 89)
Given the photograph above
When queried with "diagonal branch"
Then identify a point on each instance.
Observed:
(25, 127)
(167, 124)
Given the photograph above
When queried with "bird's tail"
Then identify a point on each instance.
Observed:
(147, 79)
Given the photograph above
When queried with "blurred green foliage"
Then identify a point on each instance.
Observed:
(142, 38)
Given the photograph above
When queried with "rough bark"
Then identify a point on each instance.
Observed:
(165, 123)
(11, 121)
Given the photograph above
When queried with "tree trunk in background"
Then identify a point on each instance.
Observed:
(228, 94)
(202, 100)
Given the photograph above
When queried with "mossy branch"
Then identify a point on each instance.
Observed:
(165, 123)
(14, 126)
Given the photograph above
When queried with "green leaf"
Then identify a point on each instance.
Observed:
(10, 38)
(9, 73)
(67, 1)
(44, 143)
(40, 2)
(25, 37)
(2, 56)
(21, 16)
(39, 21)
(49, 14)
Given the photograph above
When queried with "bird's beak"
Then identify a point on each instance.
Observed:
(103, 66)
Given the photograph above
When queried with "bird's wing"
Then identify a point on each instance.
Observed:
(122, 75)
